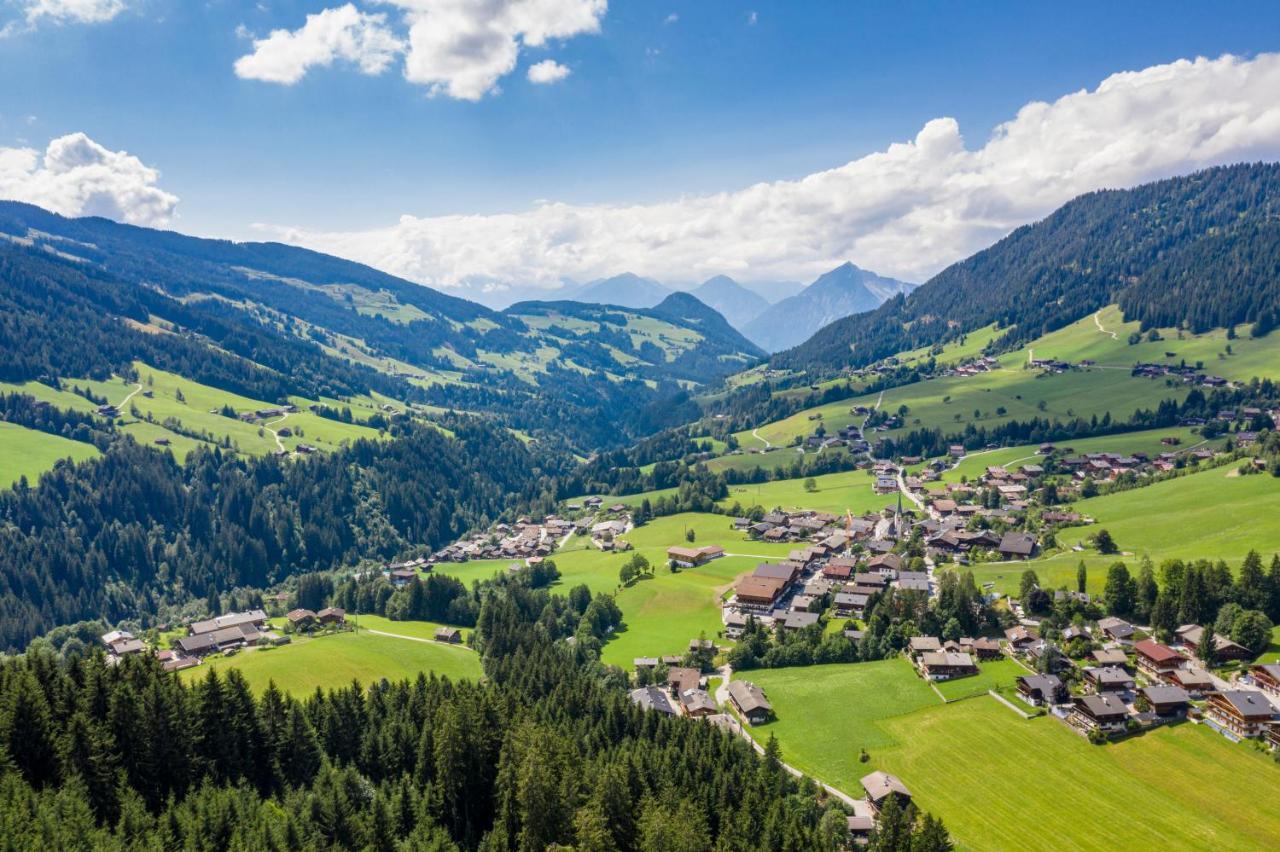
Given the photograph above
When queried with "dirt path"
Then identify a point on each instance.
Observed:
(417, 639)
(137, 389)
(1098, 322)
(274, 434)
(755, 433)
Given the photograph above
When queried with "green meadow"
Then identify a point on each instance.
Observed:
(1003, 782)
(834, 492)
(327, 662)
(29, 452)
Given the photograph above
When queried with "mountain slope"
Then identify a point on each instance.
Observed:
(626, 290)
(1200, 249)
(90, 298)
(731, 300)
(843, 291)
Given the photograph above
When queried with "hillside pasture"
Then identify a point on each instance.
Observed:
(29, 452)
(999, 781)
(335, 660)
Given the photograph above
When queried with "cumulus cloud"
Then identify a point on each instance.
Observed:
(76, 176)
(343, 33)
(455, 48)
(907, 210)
(547, 71)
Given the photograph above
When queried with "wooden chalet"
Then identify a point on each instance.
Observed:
(1157, 661)
(944, 665)
(1190, 636)
(451, 635)
(879, 786)
(1166, 700)
(1266, 676)
(1242, 712)
(749, 701)
(690, 557)
(1106, 713)
(1041, 689)
(1107, 679)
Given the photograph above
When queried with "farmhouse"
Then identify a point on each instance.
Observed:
(1041, 689)
(879, 786)
(750, 701)
(1157, 661)
(219, 640)
(332, 615)
(253, 617)
(918, 645)
(689, 557)
(943, 665)
(681, 679)
(1241, 712)
(1098, 712)
(301, 618)
(1165, 700)
(759, 592)
(452, 635)
(1017, 545)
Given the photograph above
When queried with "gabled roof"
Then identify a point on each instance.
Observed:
(880, 784)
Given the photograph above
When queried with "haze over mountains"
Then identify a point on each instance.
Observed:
(789, 318)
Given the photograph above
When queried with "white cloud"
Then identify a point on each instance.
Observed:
(671, 19)
(343, 33)
(72, 11)
(906, 211)
(752, 18)
(456, 48)
(76, 176)
(547, 71)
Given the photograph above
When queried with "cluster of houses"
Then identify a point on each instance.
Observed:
(682, 693)
(1184, 373)
(302, 620)
(937, 660)
(525, 539)
(985, 364)
(1127, 683)
(788, 592)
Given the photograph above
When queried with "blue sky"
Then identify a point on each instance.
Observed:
(666, 100)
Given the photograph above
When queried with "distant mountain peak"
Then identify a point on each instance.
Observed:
(846, 289)
(626, 290)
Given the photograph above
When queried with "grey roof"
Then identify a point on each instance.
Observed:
(232, 619)
(748, 696)
(797, 620)
(697, 699)
(1101, 705)
(652, 698)
(1249, 703)
(1165, 694)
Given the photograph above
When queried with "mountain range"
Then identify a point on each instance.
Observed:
(1199, 251)
(836, 294)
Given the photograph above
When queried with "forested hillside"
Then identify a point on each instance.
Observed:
(269, 321)
(1199, 250)
(133, 535)
(547, 753)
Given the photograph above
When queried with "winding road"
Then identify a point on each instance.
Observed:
(755, 433)
(137, 389)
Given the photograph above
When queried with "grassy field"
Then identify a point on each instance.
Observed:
(663, 612)
(975, 464)
(336, 660)
(949, 403)
(1211, 514)
(1002, 782)
(1043, 787)
(992, 674)
(28, 452)
(414, 629)
(836, 492)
